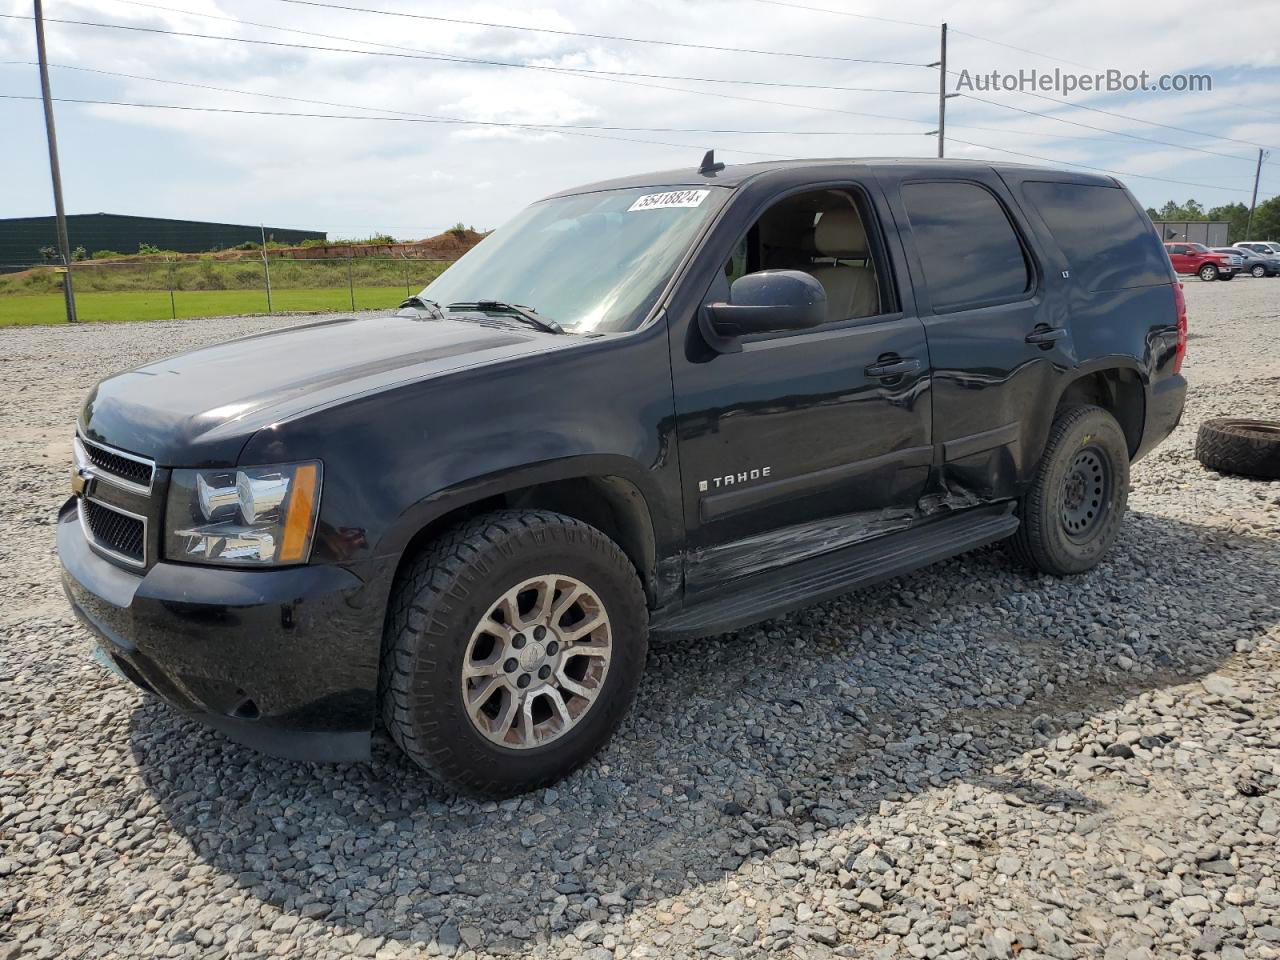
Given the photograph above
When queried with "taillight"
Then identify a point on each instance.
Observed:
(1180, 305)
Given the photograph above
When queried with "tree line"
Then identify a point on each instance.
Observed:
(1266, 218)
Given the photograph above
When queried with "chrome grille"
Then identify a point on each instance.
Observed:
(116, 466)
(121, 534)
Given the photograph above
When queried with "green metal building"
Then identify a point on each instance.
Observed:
(22, 237)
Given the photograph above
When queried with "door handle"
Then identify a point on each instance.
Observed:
(1046, 336)
(895, 367)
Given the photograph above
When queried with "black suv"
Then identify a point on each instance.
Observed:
(672, 404)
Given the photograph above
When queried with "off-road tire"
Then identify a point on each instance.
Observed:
(437, 602)
(1250, 448)
(1043, 541)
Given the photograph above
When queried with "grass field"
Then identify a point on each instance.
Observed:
(123, 306)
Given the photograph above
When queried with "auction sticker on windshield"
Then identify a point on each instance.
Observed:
(672, 198)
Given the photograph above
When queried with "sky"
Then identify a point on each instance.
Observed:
(357, 177)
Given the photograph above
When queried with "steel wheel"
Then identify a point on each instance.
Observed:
(536, 662)
(1086, 493)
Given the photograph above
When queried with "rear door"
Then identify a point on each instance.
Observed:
(997, 326)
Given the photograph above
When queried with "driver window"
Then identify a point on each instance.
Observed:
(822, 233)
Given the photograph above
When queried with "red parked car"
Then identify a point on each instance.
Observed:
(1198, 259)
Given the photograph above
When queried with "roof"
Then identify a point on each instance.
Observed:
(734, 175)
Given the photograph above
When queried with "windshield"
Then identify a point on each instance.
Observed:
(1199, 247)
(591, 262)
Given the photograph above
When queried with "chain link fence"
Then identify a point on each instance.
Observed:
(109, 291)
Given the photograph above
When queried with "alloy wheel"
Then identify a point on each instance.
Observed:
(536, 662)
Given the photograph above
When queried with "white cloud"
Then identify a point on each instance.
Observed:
(413, 177)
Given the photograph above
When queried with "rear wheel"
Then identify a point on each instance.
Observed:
(1208, 272)
(1071, 514)
(514, 647)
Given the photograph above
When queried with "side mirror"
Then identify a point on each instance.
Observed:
(768, 301)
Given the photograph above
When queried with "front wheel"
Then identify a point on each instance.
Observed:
(1208, 272)
(513, 647)
(1259, 271)
(1226, 276)
(1071, 514)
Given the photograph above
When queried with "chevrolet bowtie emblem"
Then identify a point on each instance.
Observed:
(81, 482)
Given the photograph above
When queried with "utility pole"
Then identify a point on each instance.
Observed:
(266, 267)
(64, 245)
(1257, 175)
(942, 93)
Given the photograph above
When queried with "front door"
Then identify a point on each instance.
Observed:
(803, 442)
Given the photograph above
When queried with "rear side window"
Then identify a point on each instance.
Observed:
(967, 245)
(1108, 244)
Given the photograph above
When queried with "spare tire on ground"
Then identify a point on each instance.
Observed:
(1250, 448)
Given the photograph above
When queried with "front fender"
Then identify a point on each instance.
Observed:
(396, 459)
(522, 477)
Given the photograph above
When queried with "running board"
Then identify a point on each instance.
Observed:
(766, 595)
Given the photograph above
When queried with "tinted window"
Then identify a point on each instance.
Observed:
(967, 245)
(1108, 244)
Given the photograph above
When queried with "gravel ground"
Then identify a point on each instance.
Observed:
(967, 762)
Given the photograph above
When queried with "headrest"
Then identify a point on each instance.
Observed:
(840, 234)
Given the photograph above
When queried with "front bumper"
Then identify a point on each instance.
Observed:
(285, 661)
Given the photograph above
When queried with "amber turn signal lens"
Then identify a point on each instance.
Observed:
(299, 524)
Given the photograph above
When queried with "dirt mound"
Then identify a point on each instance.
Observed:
(449, 245)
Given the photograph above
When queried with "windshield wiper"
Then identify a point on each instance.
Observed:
(429, 305)
(527, 314)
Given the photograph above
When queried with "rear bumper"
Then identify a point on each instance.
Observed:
(1165, 401)
(284, 661)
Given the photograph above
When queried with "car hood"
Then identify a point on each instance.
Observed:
(199, 408)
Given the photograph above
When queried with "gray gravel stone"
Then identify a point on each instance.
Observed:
(929, 768)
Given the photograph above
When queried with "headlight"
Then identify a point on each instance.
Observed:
(254, 516)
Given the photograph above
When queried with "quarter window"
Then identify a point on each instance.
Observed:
(1107, 242)
(968, 247)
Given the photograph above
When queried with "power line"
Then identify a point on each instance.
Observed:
(529, 126)
(1039, 134)
(411, 53)
(454, 58)
(613, 76)
(597, 36)
(1118, 173)
(846, 13)
(557, 127)
(1034, 53)
(1120, 116)
(1116, 133)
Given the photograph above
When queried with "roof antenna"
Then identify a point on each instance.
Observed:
(709, 166)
